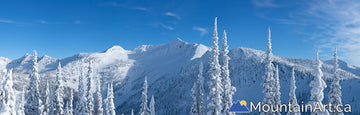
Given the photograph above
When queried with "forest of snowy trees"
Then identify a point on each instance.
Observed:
(219, 98)
(221, 91)
(52, 103)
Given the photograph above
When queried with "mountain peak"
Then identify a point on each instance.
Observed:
(177, 41)
(115, 48)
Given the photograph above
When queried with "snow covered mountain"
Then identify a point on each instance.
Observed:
(171, 70)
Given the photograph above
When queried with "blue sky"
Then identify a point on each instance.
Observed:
(62, 28)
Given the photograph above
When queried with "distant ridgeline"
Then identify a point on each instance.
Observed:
(181, 78)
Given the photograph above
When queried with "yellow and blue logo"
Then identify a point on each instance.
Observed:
(239, 107)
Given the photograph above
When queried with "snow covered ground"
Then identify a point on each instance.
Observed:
(171, 70)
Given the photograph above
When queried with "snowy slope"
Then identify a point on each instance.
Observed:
(172, 69)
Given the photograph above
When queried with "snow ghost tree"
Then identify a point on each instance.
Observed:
(33, 105)
(195, 106)
(152, 106)
(98, 103)
(9, 93)
(81, 103)
(109, 101)
(317, 87)
(292, 100)
(198, 107)
(21, 109)
(335, 88)
(268, 79)
(201, 95)
(48, 101)
(277, 86)
(89, 94)
(228, 90)
(69, 105)
(2, 94)
(58, 93)
(215, 87)
(144, 110)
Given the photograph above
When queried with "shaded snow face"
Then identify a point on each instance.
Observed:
(172, 69)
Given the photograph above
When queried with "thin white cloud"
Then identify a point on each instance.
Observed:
(140, 8)
(338, 24)
(203, 31)
(7, 21)
(161, 25)
(172, 15)
(264, 3)
(166, 26)
(43, 22)
(110, 4)
(77, 22)
(116, 4)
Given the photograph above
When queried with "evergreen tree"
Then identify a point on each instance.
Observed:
(144, 110)
(292, 100)
(2, 95)
(195, 106)
(228, 90)
(277, 86)
(58, 101)
(152, 105)
(69, 106)
(214, 105)
(335, 88)
(132, 111)
(318, 85)
(110, 106)
(9, 93)
(48, 104)
(98, 103)
(201, 95)
(268, 79)
(33, 105)
(21, 109)
(81, 103)
(89, 94)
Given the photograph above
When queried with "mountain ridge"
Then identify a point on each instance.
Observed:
(171, 70)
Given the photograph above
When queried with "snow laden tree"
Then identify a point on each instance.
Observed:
(89, 94)
(195, 106)
(152, 106)
(277, 87)
(2, 94)
(21, 109)
(317, 87)
(215, 86)
(33, 105)
(81, 103)
(58, 93)
(69, 105)
(109, 101)
(201, 95)
(198, 107)
(228, 90)
(98, 103)
(293, 100)
(144, 110)
(48, 104)
(335, 88)
(268, 79)
(132, 111)
(9, 93)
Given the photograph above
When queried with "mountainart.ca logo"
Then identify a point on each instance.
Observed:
(239, 107)
(316, 107)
